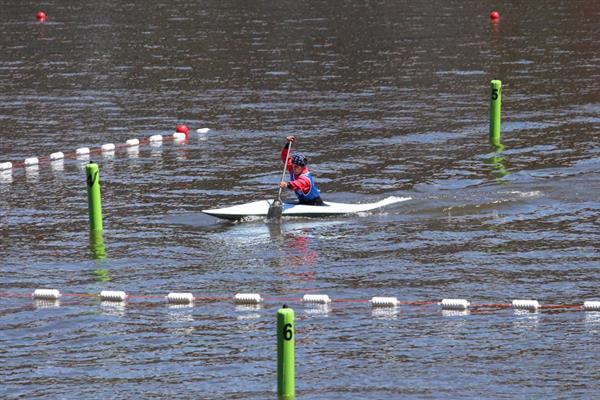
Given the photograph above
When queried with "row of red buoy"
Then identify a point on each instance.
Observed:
(41, 16)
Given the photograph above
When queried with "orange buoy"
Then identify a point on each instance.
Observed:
(494, 15)
(41, 16)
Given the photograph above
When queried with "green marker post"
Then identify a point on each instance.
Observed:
(94, 204)
(285, 354)
(495, 107)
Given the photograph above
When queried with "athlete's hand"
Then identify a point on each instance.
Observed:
(283, 185)
(291, 138)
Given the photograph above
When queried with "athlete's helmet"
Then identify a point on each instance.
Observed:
(299, 159)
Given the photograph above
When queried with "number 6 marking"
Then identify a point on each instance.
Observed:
(287, 332)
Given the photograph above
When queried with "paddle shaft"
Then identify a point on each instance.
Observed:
(287, 157)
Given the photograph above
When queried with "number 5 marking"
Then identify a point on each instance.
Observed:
(494, 94)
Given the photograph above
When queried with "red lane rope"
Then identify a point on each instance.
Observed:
(418, 303)
(79, 295)
(551, 306)
(142, 296)
(348, 301)
(215, 299)
(282, 299)
(492, 305)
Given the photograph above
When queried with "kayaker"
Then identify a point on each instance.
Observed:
(301, 180)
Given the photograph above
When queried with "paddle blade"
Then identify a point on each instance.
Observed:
(275, 210)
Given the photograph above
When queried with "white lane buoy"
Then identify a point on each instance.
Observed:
(180, 298)
(59, 155)
(179, 136)
(132, 142)
(82, 151)
(46, 294)
(202, 130)
(455, 304)
(531, 305)
(316, 298)
(155, 139)
(591, 305)
(5, 165)
(247, 298)
(108, 147)
(113, 295)
(384, 301)
(31, 161)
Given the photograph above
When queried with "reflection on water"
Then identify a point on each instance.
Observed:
(299, 250)
(43, 303)
(182, 154)
(385, 313)
(386, 99)
(6, 176)
(180, 319)
(526, 320)
(498, 170)
(181, 306)
(57, 166)
(133, 152)
(32, 173)
(113, 308)
(455, 313)
(102, 275)
(317, 309)
(247, 307)
(592, 321)
(247, 316)
(97, 247)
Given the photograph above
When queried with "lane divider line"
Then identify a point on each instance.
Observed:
(461, 305)
(105, 148)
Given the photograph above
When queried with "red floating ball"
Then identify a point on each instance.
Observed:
(182, 128)
(41, 16)
(494, 15)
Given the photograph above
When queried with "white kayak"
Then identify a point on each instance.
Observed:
(261, 208)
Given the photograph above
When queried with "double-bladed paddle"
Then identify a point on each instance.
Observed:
(276, 207)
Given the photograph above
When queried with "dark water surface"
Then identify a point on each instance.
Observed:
(387, 98)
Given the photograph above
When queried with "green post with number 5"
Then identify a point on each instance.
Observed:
(285, 354)
(495, 107)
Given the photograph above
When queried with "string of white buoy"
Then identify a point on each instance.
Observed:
(181, 135)
(309, 299)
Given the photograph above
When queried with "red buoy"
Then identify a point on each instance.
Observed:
(41, 16)
(183, 129)
(494, 15)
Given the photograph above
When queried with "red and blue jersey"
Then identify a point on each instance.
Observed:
(302, 184)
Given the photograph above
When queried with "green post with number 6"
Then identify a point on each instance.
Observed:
(285, 354)
(495, 107)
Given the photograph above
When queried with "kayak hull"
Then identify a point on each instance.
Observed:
(261, 208)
